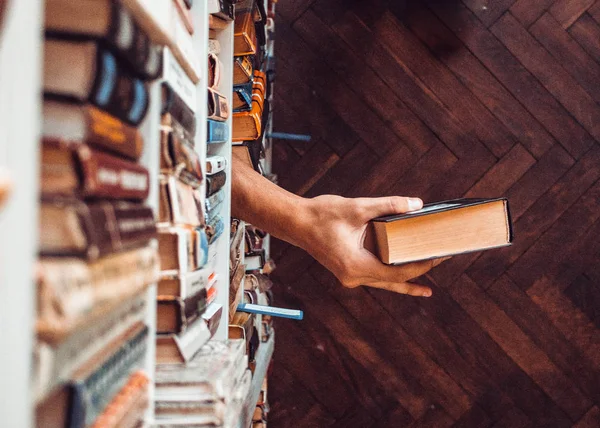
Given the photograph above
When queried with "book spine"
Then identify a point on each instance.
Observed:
(217, 131)
(176, 107)
(215, 182)
(91, 395)
(181, 160)
(106, 176)
(117, 91)
(107, 132)
(187, 310)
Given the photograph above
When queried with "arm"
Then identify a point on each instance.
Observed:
(330, 228)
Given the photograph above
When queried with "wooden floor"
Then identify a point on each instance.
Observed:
(441, 99)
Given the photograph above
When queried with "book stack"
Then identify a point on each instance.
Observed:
(209, 391)
(97, 249)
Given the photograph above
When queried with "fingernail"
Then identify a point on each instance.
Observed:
(414, 204)
(427, 293)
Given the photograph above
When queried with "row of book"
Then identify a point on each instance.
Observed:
(96, 232)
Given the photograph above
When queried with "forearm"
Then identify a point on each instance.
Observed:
(267, 206)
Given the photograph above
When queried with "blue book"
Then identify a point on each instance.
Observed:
(251, 308)
(217, 132)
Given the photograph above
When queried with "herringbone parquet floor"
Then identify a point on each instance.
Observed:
(440, 99)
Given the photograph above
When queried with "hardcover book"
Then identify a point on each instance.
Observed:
(175, 349)
(248, 125)
(218, 106)
(217, 132)
(174, 105)
(222, 8)
(180, 203)
(179, 159)
(441, 229)
(83, 71)
(110, 22)
(243, 70)
(244, 41)
(74, 228)
(185, 285)
(215, 182)
(174, 314)
(74, 169)
(76, 123)
(182, 249)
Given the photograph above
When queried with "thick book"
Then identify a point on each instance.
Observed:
(174, 105)
(174, 349)
(74, 169)
(247, 125)
(179, 159)
(243, 70)
(109, 21)
(217, 132)
(180, 203)
(215, 182)
(71, 293)
(128, 408)
(218, 106)
(87, 124)
(84, 71)
(93, 230)
(441, 229)
(185, 285)
(96, 383)
(174, 314)
(244, 39)
(182, 249)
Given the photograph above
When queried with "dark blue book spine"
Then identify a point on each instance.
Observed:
(217, 132)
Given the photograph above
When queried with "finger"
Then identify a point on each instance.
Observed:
(402, 273)
(403, 288)
(376, 207)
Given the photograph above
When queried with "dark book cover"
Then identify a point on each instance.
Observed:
(185, 310)
(174, 105)
(215, 182)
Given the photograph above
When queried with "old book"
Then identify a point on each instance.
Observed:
(110, 22)
(248, 125)
(222, 8)
(95, 383)
(180, 203)
(127, 409)
(181, 348)
(214, 229)
(185, 285)
(174, 105)
(213, 314)
(243, 70)
(217, 132)
(182, 249)
(214, 204)
(83, 71)
(178, 159)
(185, 15)
(174, 314)
(92, 230)
(218, 106)
(176, 77)
(244, 40)
(215, 163)
(215, 182)
(55, 363)
(441, 229)
(74, 169)
(72, 293)
(92, 126)
(216, 23)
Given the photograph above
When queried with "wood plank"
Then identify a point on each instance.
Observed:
(291, 10)
(584, 294)
(572, 323)
(594, 11)
(475, 417)
(514, 419)
(345, 173)
(587, 33)
(554, 78)
(563, 236)
(534, 323)
(446, 47)
(488, 11)
(569, 54)
(292, 265)
(520, 348)
(527, 11)
(539, 218)
(404, 84)
(460, 102)
(375, 93)
(287, 119)
(504, 174)
(567, 12)
(515, 77)
(590, 420)
(395, 418)
(434, 418)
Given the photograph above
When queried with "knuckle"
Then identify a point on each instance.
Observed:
(397, 203)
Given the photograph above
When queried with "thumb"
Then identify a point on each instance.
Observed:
(376, 207)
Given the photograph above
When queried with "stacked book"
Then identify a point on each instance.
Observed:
(97, 252)
(209, 391)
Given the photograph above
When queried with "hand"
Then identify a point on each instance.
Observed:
(335, 230)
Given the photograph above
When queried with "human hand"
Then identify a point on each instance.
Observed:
(334, 232)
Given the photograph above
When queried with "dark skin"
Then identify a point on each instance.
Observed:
(329, 227)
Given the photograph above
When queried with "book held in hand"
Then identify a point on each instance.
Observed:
(441, 229)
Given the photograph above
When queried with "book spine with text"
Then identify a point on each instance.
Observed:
(217, 132)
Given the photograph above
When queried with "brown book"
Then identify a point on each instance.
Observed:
(185, 285)
(53, 411)
(74, 228)
(216, 23)
(181, 249)
(243, 70)
(128, 407)
(248, 125)
(98, 174)
(215, 182)
(84, 71)
(174, 314)
(180, 203)
(92, 126)
(181, 348)
(179, 158)
(244, 40)
(71, 293)
(441, 229)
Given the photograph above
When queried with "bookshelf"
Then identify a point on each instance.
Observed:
(21, 101)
